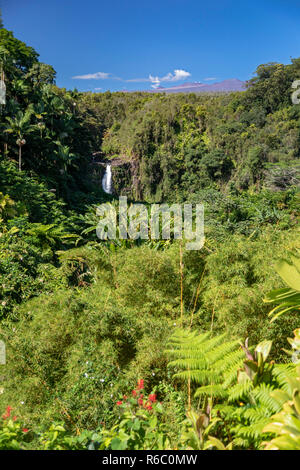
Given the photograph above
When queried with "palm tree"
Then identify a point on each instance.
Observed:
(20, 126)
(50, 235)
(64, 156)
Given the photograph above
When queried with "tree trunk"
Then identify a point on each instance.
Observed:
(20, 157)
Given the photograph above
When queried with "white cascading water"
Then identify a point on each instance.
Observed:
(107, 181)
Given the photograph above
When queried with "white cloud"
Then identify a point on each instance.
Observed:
(154, 80)
(178, 75)
(94, 76)
(209, 79)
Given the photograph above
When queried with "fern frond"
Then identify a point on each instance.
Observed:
(257, 413)
(240, 442)
(190, 363)
(282, 372)
(203, 359)
(230, 375)
(216, 391)
(263, 395)
(225, 409)
(252, 431)
(220, 352)
(239, 391)
(200, 376)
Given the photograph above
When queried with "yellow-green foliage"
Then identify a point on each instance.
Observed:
(239, 275)
(73, 351)
(206, 360)
(118, 313)
(286, 423)
(289, 297)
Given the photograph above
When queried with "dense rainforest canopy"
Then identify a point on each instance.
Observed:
(82, 318)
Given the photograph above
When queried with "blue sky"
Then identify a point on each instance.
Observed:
(135, 45)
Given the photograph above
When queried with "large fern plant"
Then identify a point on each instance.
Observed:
(287, 298)
(239, 382)
(205, 361)
(285, 424)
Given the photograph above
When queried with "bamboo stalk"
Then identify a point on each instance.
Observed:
(189, 394)
(181, 284)
(196, 298)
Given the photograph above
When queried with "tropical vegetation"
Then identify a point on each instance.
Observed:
(143, 344)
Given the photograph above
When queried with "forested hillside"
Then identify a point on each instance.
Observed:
(84, 319)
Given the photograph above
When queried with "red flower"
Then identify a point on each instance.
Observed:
(149, 407)
(7, 414)
(125, 397)
(15, 418)
(134, 393)
(152, 397)
(140, 384)
(140, 401)
(25, 430)
(119, 403)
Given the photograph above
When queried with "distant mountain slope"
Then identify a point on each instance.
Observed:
(232, 84)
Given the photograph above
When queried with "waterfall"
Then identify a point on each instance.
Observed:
(107, 181)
